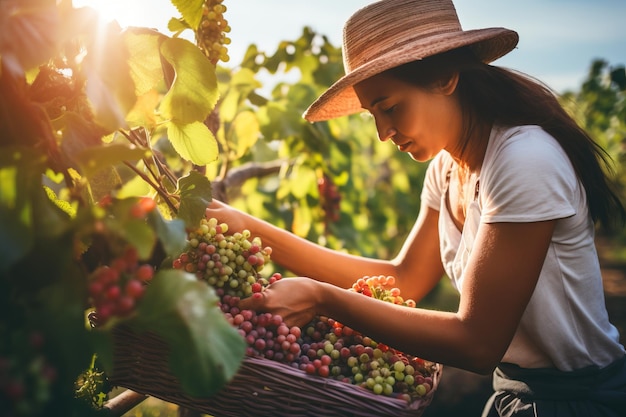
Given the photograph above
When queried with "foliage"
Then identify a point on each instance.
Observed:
(88, 113)
(600, 108)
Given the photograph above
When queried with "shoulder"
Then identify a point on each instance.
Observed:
(525, 143)
(525, 168)
(528, 149)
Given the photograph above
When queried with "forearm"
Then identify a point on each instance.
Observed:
(305, 258)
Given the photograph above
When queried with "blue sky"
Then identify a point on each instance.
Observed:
(558, 38)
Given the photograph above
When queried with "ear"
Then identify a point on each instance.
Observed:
(448, 85)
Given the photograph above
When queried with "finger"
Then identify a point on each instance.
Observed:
(254, 302)
(215, 204)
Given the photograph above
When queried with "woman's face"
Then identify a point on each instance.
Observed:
(419, 121)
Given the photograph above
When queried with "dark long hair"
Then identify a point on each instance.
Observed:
(491, 94)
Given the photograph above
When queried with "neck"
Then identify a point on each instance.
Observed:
(469, 151)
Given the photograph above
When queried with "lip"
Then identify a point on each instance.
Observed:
(403, 146)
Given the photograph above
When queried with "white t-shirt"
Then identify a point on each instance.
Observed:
(527, 177)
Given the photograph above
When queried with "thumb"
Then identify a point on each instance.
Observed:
(254, 302)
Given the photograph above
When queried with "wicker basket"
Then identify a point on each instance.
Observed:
(261, 387)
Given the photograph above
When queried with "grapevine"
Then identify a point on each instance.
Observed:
(115, 289)
(212, 33)
(92, 386)
(232, 265)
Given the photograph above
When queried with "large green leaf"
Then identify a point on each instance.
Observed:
(195, 196)
(193, 142)
(194, 91)
(206, 350)
(144, 58)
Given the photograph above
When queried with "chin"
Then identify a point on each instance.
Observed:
(420, 157)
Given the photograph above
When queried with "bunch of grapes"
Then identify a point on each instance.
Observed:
(232, 262)
(329, 198)
(211, 34)
(116, 288)
(326, 348)
(379, 287)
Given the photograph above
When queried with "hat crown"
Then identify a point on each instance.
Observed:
(380, 27)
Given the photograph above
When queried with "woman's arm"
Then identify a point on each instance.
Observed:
(499, 281)
(417, 268)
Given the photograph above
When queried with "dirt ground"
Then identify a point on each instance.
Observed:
(464, 394)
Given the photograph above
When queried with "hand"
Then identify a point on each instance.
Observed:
(294, 299)
(235, 219)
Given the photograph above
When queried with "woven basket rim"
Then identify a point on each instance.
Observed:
(260, 387)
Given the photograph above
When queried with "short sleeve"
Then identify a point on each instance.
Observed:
(434, 181)
(527, 178)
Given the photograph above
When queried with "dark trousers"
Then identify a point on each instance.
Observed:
(588, 392)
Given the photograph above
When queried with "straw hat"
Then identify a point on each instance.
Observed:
(389, 33)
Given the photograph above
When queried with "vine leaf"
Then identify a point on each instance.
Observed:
(171, 233)
(195, 196)
(136, 231)
(144, 58)
(193, 142)
(20, 169)
(95, 158)
(191, 10)
(194, 92)
(205, 349)
(244, 132)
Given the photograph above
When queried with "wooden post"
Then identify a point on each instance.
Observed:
(124, 402)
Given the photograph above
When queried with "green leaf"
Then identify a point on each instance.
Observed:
(16, 235)
(206, 350)
(141, 236)
(135, 231)
(194, 91)
(64, 205)
(195, 196)
(96, 158)
(191, 10)
(171, 233)
(103, 182)
(244, 132)
(144, 58)
(193, 142)
(242, 84)
(177, 25)
(20, 180)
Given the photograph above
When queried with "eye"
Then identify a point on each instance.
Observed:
(389, 110)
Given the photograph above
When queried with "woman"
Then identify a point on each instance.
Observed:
(509, 206)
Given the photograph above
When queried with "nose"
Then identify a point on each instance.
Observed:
(385, 130)
(384, 134)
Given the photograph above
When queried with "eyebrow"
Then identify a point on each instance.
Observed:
(377, 100)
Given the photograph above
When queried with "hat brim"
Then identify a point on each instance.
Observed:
(341, 100)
